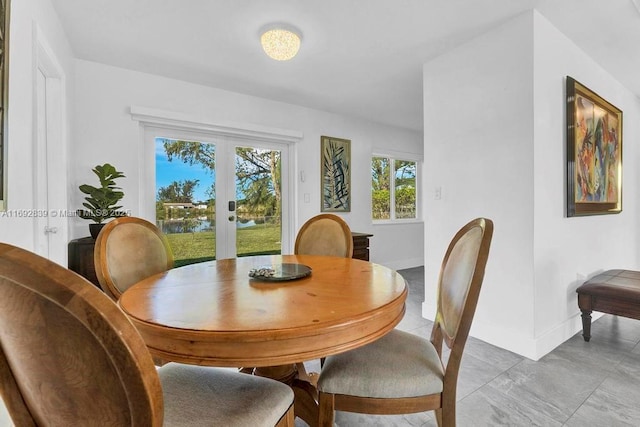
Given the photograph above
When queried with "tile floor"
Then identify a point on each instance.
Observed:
(579, 384)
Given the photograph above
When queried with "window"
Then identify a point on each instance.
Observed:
(393, 188)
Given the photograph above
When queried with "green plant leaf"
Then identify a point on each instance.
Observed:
(102, 202)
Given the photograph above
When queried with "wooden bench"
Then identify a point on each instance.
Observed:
(614, 292)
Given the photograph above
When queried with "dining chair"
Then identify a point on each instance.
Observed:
(70, 357)
(404, 373)
(127, 250)
(324, 234)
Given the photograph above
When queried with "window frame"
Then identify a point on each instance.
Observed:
(393, 157)
(187, 126)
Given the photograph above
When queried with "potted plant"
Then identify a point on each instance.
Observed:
(101, 203)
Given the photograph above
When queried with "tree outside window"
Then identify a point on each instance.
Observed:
(393, 184)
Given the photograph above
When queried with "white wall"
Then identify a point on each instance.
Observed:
(569, 250)
(29, 17)
(478, 104)
(104, 132)
(499, 141)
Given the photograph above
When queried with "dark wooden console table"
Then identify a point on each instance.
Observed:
(81, 254)
(81, 258)
(361, 245)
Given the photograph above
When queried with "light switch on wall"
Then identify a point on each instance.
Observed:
(307, 197)
(437, 194)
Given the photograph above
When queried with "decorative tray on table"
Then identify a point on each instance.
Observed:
(280, 272)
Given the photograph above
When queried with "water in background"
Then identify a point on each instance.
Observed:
(195, 225)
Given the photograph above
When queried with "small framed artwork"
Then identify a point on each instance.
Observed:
(335, 180)
(594, 153)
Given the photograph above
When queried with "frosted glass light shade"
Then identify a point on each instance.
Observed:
(280, 44)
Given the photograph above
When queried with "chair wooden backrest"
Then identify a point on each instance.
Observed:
(325, 234)
(461, 276)
(68, 355)
(127, 250)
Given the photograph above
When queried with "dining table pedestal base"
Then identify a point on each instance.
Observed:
(283, 373)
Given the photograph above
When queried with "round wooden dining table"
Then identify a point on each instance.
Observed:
(213, 313)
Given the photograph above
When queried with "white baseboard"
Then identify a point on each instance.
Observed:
(558, 334)
(517, 341)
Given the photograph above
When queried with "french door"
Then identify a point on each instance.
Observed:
(219, 197)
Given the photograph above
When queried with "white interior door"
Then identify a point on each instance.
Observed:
(41, 205)
(50, 194)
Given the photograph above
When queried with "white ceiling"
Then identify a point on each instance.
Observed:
(361, 58)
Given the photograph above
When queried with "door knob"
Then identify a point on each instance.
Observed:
(232, 218)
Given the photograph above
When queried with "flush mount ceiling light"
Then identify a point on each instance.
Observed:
(280, 42)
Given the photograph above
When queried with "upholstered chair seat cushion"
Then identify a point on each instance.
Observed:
(397, 365)
(198, 396)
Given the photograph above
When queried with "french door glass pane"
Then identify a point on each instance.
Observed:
(185, 198)
(259, 201)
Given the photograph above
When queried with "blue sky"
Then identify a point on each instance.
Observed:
(175, 170)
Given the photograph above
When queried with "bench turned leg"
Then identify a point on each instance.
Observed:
(586, 325)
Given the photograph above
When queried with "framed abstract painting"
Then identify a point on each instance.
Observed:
(335, 180)
(594, 153)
